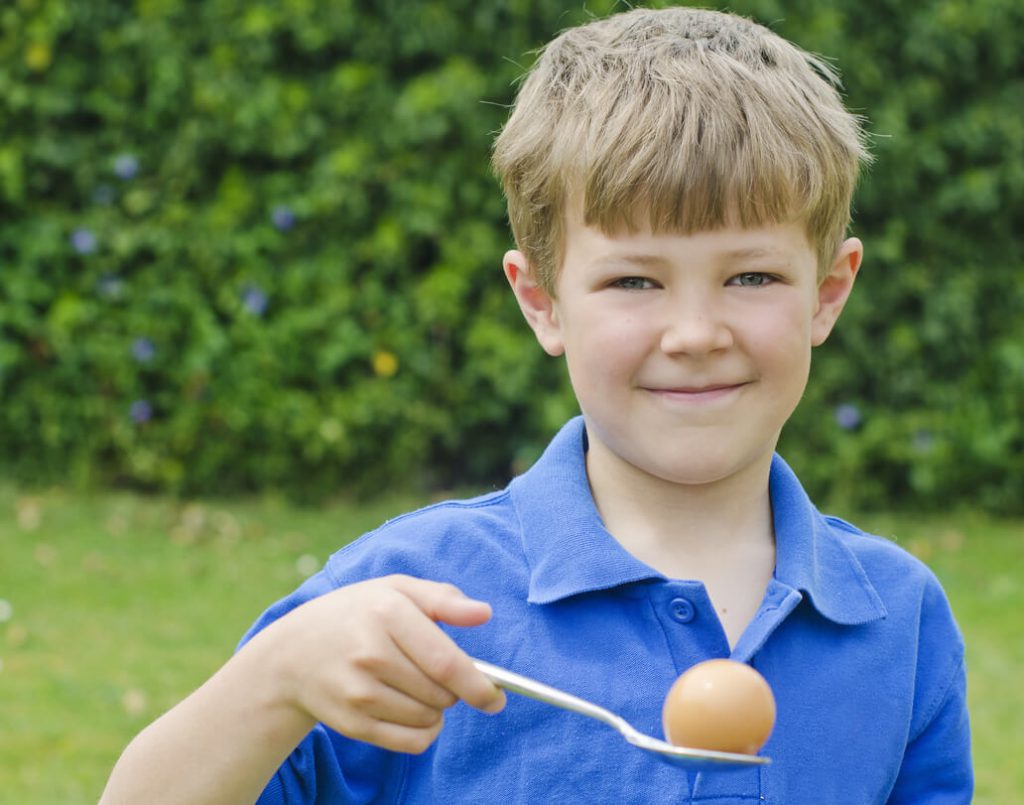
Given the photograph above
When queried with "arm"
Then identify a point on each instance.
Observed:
(368, 660)
(936, 766)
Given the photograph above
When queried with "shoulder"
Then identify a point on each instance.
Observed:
(883, 559)
(852, 576)
(875, 549)
(432, 541)
(465, 542)
(908, 588)
(918, 611)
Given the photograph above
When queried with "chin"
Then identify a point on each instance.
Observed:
(709, 469)
(696, 476)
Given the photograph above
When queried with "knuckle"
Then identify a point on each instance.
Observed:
(443, 666)
(437, 700)
(367, 662)
(382, 607)
(395, 581)
(359, 697)
(424, 718)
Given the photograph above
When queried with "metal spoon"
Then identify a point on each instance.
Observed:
(693, 759)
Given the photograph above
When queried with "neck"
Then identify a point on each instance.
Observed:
(685, 530)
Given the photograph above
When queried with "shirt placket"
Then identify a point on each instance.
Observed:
(694, 633)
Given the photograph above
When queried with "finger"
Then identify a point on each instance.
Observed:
(381, 658)
(398, 737)
(433, 651)
(409, 634)
(395, 669)
(443, 602)
(438, 657)
(381, 702)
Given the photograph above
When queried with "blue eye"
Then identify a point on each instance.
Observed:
(633, 283)
(752, 279)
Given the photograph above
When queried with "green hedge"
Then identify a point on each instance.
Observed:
(930, 353)
(256, 245)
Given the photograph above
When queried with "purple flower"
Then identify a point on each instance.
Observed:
(83, 241)
(141, 411)
(254, 300)
(143, 350)
(848, 416)
(126, 166)
(283, 217)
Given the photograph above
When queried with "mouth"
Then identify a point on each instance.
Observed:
(697, 394)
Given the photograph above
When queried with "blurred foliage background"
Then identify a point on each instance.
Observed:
(251, 246)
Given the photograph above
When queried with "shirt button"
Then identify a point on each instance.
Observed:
(681, 610)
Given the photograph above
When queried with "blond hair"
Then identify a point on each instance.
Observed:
(685, 119)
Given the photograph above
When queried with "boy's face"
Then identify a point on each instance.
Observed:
(687, 353)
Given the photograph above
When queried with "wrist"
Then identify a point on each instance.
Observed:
(275, 689)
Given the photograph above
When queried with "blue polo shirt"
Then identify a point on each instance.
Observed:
(854, 635)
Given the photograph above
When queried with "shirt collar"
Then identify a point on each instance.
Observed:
(568, 549)
(812, 557)
(570, 552)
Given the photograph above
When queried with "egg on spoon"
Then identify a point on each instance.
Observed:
(722, 705)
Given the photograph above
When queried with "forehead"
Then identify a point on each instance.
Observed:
(642, 244)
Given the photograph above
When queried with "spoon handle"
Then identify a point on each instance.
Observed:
(694, 759)
(523, 685)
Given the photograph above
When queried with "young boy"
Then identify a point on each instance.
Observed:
(679, 186)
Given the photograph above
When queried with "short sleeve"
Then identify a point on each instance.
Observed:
(936, 765)
(327, 767)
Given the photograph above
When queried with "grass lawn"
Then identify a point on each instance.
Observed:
(113, 607)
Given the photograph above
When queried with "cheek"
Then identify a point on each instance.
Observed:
(599, 348)
(586, 327)
(790, 369)
(786, 320)
(782, 343)
(784, 348)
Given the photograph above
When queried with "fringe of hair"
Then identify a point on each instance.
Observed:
(681, 119)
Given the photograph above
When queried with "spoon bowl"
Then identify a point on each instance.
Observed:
(688, 758)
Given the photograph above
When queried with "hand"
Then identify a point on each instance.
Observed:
(369, 660)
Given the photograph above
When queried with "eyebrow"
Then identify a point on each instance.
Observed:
(756, 253)
(637, 259)
(751, 254)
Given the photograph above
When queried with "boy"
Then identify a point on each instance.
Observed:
(679, 185)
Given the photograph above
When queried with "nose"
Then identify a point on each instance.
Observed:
(695, 326)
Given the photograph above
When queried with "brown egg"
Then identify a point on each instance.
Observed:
(719, 704)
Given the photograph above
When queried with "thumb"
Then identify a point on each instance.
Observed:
(444, 602)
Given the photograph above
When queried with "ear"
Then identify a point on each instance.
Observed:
(834, 289)
(538, 305)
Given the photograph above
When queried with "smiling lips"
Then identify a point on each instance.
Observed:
(697, 393)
